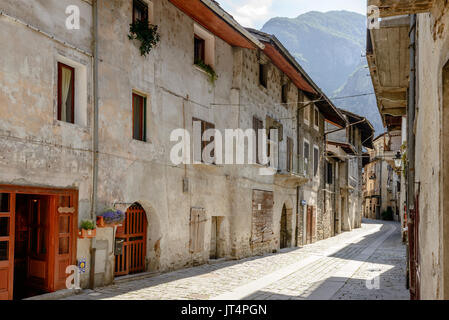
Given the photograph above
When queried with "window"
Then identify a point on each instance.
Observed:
(263, 74)
(316, 119)
(330, 172)
(306, 157)
(316, 160)
(204, 46)
(289, 154)
(257, 125)
(140, 11)
(139, 117)
(66, 93)
(200, 47)
(284, 93)
(204, 127)
(307, 115)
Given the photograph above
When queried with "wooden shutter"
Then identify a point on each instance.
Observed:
(7, 228)
(289, 154)
(197, 227)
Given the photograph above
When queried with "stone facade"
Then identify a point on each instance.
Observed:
(252, 213)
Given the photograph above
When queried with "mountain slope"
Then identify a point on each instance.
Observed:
(329, 46)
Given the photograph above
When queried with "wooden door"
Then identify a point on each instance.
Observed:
(64, 231)
(309, 225)
(283, 229)
(38, 242)
(132, 258)
(7, 211)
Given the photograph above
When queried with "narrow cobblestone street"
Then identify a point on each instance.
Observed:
(343, 267)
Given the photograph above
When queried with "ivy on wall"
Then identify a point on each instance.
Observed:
(145, 33)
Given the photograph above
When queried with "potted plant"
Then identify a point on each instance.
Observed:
(146, 34)
(87, 229)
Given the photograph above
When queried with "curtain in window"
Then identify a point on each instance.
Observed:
(66, 79)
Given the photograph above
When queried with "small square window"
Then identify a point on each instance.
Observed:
(284, 94)
(139, 117)
(200, 50)
(263, 75)
(140, 11)
(66, 93)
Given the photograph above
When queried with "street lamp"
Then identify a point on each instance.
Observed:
(398, 160)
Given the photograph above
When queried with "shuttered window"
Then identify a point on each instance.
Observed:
(289, 154)
(257, 125)
(306, 157)
(140, 11)
(316, 155)
(139, 117)
(204, 127)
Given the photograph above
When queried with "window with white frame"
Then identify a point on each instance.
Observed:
(307, 115)
(316, 118)
(204, 46)
(71, 91)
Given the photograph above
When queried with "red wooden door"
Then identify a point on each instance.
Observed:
(7, 219)
(65, 237)
(132, 258)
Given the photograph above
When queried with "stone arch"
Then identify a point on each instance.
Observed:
(286, 225)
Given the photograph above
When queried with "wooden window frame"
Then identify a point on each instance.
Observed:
(284, 93)
(290, 147)
(141, 5)
(143, 129)
(263, 75)
(202, 53)
(60, 66)
(204, 127)
(316, 161)
(316, 118)
(257, 125)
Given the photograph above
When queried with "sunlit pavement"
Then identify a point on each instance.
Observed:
(367, 263)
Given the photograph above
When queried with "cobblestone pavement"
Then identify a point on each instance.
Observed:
(335, 268)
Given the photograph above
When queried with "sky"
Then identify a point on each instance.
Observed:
(254, 13)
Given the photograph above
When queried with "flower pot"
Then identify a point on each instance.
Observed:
(100, 222)
(87, 234)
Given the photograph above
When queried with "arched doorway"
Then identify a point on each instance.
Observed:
(284, 234)
(133, 235)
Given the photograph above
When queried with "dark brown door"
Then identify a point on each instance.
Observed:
(309, 224)
(132, 258)
(7, 208)
(284, 234)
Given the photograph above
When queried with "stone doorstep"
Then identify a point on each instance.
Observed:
(60, 294)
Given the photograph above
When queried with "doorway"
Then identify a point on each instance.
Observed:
(37, 240)
(311, 224)
(132, 258)
(283, 238)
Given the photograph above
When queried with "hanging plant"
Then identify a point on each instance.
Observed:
(209, 70)
(147, 35)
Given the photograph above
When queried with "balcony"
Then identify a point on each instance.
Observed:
(389, 8)
(294, 177)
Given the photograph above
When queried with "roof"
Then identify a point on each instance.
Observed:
(211, 16)
(365, 126)
(282, 58)
(348, 148)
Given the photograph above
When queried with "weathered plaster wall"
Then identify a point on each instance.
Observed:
(37, 149)
(433, 54)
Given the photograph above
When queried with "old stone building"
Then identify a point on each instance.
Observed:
(381, 182)
(87, 123)
(345, 147)
(408, 56)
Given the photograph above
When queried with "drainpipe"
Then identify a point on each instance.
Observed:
(93, 249)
